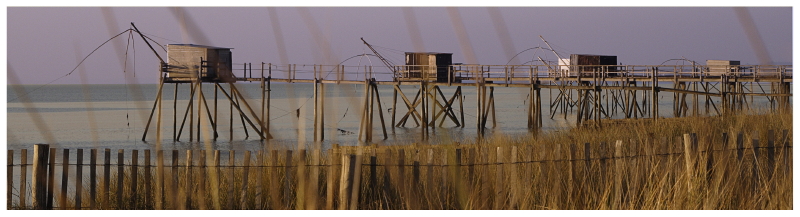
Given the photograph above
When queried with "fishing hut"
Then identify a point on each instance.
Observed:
(431, 65)
(186, 61)
(194, 65)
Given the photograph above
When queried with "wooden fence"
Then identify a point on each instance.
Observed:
(572, 176)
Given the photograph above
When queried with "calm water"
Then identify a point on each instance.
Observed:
(114, 116)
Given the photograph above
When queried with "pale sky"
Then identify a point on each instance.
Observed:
(45, 43)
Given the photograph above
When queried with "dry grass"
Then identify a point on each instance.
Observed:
(545, 171)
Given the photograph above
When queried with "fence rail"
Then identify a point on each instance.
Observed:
(568, 176)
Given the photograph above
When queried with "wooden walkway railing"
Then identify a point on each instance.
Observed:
(571, 176)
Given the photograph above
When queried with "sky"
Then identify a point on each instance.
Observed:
(44, 44)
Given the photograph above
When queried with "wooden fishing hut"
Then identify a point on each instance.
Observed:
(214, 64)
(197, 64)
(427, 65)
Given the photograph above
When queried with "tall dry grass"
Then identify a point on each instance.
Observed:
(632, 165)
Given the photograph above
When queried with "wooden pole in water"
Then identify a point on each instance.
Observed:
(175, 114)
(394, 105)
(269, 94)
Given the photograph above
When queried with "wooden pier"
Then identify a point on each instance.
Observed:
(594, 93)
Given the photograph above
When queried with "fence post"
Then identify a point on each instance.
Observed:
(215, 190)
(147, 183)
(93, 179)
(158, 202)
(618, 174)
(62, 199)
(39, 188)
(189, 182)
(288, 180)
(174, 186)
(301, 188)
(688, 154)
(134, 178)
(787, 164)
(201, 186)
(348, 163)
(499, 188)
(120, 177)
(78, 179)
(274, 189)
(51, 176)
(106, 195)
(23, 175)
(332, 163)
(246, 170)
(231, 180)
(770, 153)
(401, 184)
(260, 194)
(9, 177)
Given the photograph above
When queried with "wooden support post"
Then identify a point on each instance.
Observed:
(78, 179)
(39, 175)
(175, 114)
(394, 105)
(380, 110)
